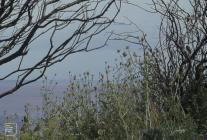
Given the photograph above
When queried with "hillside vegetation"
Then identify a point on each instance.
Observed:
(123, 104)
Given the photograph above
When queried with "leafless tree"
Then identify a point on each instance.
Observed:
(177, 64)
(183, 39)
(69, 26)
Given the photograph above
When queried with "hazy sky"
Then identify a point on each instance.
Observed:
(95, 61)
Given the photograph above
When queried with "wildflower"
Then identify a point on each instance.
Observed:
(134, 54)
(124, 54)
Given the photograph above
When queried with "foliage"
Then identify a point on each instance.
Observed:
(160, 95)
(115, 106)
(177, 63)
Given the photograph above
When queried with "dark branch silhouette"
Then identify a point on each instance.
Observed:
(23, 22)
(177, 63)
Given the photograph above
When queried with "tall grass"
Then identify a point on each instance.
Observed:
(120, 105)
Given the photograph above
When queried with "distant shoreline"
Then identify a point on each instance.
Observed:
(28, 94)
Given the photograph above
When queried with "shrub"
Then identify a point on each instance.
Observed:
(121, 104)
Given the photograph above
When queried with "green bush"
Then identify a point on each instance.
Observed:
(120, 105)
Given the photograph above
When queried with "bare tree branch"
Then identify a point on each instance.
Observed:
(23, 22)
